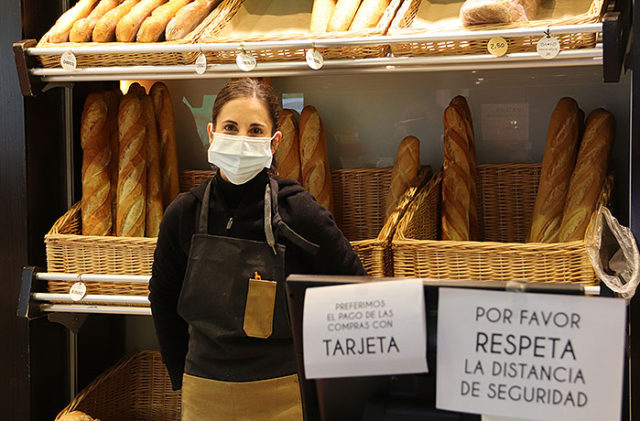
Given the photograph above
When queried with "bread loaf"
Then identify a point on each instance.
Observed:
(153, 27)
(76, 416)
(458, 180)
(113, 101)
(316, 174)
(129, 25)
(96, 159)
(60, 30)
(320, 15)
(132, 174)
(557, 165)
(369, 14)
(463, 107)
(588, 176)
(343, 15)
(83, 28)
(288, 153)
(168, 153)
(187, 18)
(105, 29)
(482, 12)
(405, 171)
(154, 178)
(137, 89)
(530, 8)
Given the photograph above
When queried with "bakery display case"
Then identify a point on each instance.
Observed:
(372, 88)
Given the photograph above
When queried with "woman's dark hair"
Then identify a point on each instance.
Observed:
(248, 88)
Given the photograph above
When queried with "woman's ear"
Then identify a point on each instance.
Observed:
(210, 132)
(277, 138)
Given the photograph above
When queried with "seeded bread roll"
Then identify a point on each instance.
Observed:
(405, 171)
(60, 30)
(105, 29)
(96, 160)
(320, 15)
(588, 176)
(288, 153)
(167, 133)
(132, 174)
(316, 174)
(83, 28)
(557, 166)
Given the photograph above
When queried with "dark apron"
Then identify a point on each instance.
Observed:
(233, 299)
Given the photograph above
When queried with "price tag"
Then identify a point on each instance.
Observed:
(497, 46)
(68, 61)
(78, 291)
(548, 47)
(201, 64)
(246, 62)
(314, 59)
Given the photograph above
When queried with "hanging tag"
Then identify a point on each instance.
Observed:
(314, 59)
(78, 291)
(548, 47)
(246, 62)
(497, 46)
(68, 61)
(201, 64)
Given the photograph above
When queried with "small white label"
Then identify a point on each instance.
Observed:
(78, 291)
(546, 357)
(367, 329)
(497, 46)
(68, 61)
(314, 59)
(548, 47)
(246, 62)
(201, 64)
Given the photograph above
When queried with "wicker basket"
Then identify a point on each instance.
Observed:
(135, 389)
(402, 25)
(359, 197)
(507, 194)
(218, 17)
(293, 54)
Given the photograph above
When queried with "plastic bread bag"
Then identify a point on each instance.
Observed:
(614, 255)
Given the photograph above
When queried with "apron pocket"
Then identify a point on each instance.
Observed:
(258, 313)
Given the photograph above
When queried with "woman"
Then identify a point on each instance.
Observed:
(224, 250)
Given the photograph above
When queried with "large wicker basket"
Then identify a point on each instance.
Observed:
(135, 389)
(402, 25)
(297, 54)
(507, 194)
(218, 18)
(359, 197)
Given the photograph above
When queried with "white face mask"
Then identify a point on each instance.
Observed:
(240, 157)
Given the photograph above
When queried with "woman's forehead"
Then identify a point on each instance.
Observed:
(242, 109)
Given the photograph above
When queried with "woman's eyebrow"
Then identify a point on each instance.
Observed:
(258, 124)
(229, 121)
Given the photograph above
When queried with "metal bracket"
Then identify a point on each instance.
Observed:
(28, 85)
(72, 321)
(28, 284)
(52, 85)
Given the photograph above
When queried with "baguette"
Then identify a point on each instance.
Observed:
(105, 29)
(343, 15)
(154, 26)
(369, 14)
(458, 180)
(188, 18)
(288, 153)
(60, 30)
(132, 175)
(167, 134)
(320, 15)
(96, 159)
(557, 165)
(588, 176)
(405, 172)
(154, 178)
(128, 26)
(113, 101)
(83, 28)
(137, 89)
(316, 174)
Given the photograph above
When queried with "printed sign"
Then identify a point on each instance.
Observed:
(246, 62)
(68, 61)
(78, 291)
(201, 63)
(548, 47)
(539, 356)
(497, 46)
(365, 329)
(314, 59)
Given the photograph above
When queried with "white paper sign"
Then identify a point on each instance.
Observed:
(365, 329)
(539, 356)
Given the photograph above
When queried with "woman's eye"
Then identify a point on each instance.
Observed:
(229, 128)
(256, 131)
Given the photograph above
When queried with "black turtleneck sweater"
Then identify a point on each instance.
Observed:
(237, 211)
